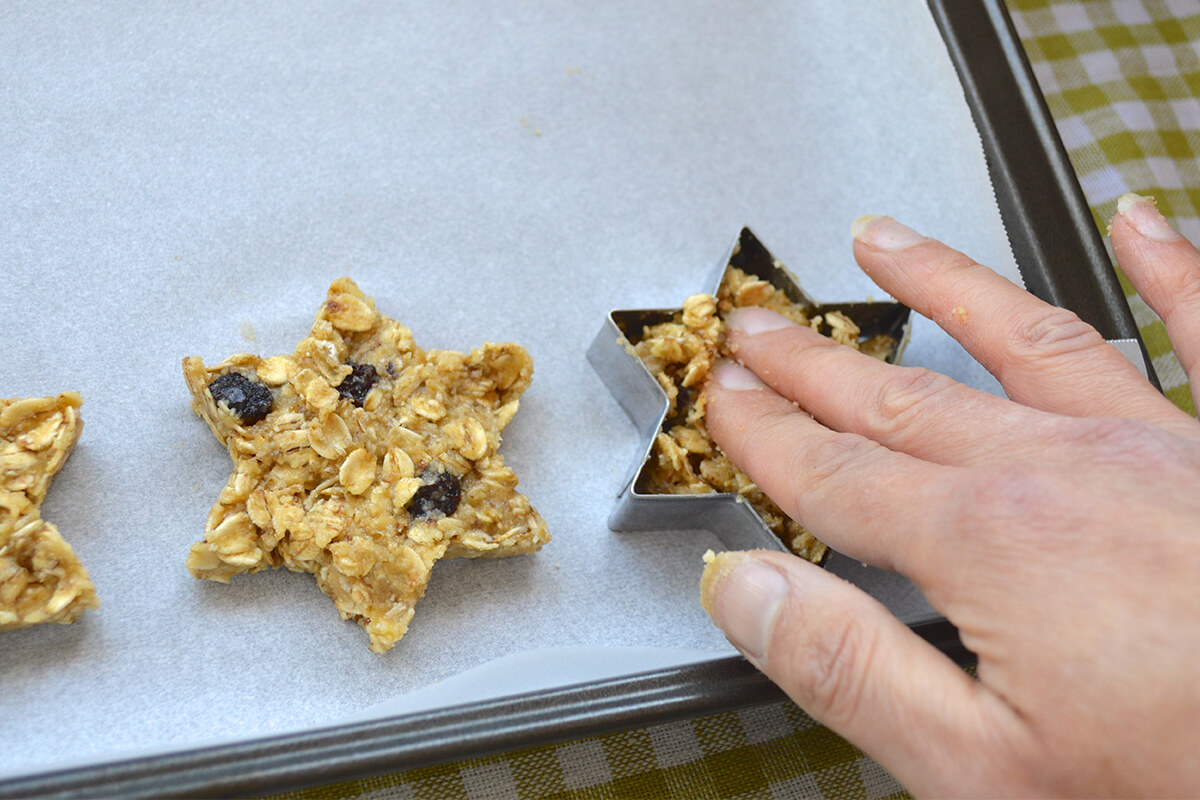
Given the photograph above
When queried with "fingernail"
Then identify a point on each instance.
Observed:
(735, 377)
(752, 320)
(884, 233)
(1144, 215)
(744, 597)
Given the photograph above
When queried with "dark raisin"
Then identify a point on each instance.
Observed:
(249, 400)
(683, 404)
(439, 491)
(354, 387)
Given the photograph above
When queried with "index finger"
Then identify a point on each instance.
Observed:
(857, 496)
(1044, 356)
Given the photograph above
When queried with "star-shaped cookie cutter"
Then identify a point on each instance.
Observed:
(611, 354)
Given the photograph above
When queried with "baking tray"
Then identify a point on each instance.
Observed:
(1061, 258)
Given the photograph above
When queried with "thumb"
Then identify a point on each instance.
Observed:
(854, 667)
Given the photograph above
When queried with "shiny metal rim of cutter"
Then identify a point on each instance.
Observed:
(729, 516)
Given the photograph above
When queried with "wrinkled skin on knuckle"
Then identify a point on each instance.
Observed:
(831, 670)
(1040, 339)
(809, 471)
(1178, 291)
(960, 276)
(801, 357)
(735, 428)
(799, 350)
(760, 433)
(909, 396)
(834, 456)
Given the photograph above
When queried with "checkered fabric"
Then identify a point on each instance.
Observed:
(771, 751)
(1122, 79)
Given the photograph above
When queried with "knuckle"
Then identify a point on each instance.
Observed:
(1053, 332)
(955, 267)
(803, 348)
(770, 428)
(839, 662)
(904, 398)
(834, 455)
(1180, 293)
(959, 276)
(755, 444)
(805, 357)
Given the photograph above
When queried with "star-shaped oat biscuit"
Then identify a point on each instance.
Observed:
(41, 579)
(363, 459)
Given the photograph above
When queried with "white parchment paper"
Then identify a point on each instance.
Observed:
(186, 179)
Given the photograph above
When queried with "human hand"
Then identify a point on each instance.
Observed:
(1059, 530)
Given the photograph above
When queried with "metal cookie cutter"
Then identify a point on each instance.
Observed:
(611, 354)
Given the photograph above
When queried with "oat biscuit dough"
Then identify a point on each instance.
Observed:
(41, 579)
(363, 459)
(680, 353)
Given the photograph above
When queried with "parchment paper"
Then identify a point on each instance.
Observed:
(187, 179)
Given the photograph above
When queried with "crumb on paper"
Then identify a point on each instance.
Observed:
(680, 353)
(363, 459)
(529, 126)
(41, 578)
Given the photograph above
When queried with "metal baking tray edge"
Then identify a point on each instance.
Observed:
(1054, 238)
(1062, 259)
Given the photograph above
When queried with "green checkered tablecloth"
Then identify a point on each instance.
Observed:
(1122, 79)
